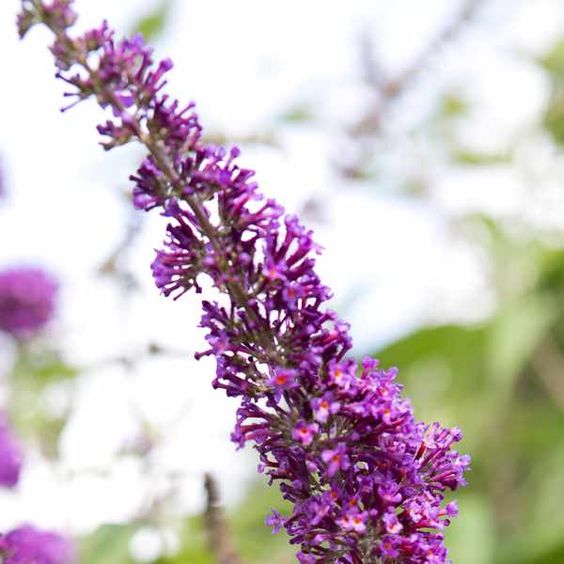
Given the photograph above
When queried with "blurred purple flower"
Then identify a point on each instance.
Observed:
(28, 545)
(11, 455)
(27, 301)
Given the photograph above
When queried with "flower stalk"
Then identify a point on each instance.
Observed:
(218, 531)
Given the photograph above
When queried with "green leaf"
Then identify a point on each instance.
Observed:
(539, 539)
(514, 334)
(35, 371)
(553, 61)
(37, 366)
(109, 544)
(298, 114)
(551, 271)
(471, 537)
(553, 120)
(193, 544)
(555, 555)
(255, 539)
(443, 352)
(452, 106)
(471, 158)
(152, 25)
(546, 484)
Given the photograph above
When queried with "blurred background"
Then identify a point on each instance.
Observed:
(423, 143)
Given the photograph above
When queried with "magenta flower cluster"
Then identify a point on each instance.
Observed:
(367, 481)
(27, 301)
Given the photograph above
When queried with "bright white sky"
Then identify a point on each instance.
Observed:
(245, 63)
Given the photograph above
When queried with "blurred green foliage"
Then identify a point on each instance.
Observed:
(502, 382)
(452, 105)
(473, 158)
(37, 370)
(110, 544)
(553, 121)
(152, 24)
(300, 113)
(251, 537)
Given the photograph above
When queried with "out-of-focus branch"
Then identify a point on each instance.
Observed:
(265, 138)
(113, 264)
(388, 89)
(548, 363)
(132, 359)
(217, 529)
(395, 86)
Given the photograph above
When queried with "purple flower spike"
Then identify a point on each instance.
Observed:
(27, 545)
(365, 479)
(27, 301)
(11, 455)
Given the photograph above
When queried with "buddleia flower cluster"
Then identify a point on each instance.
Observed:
(365, 479)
